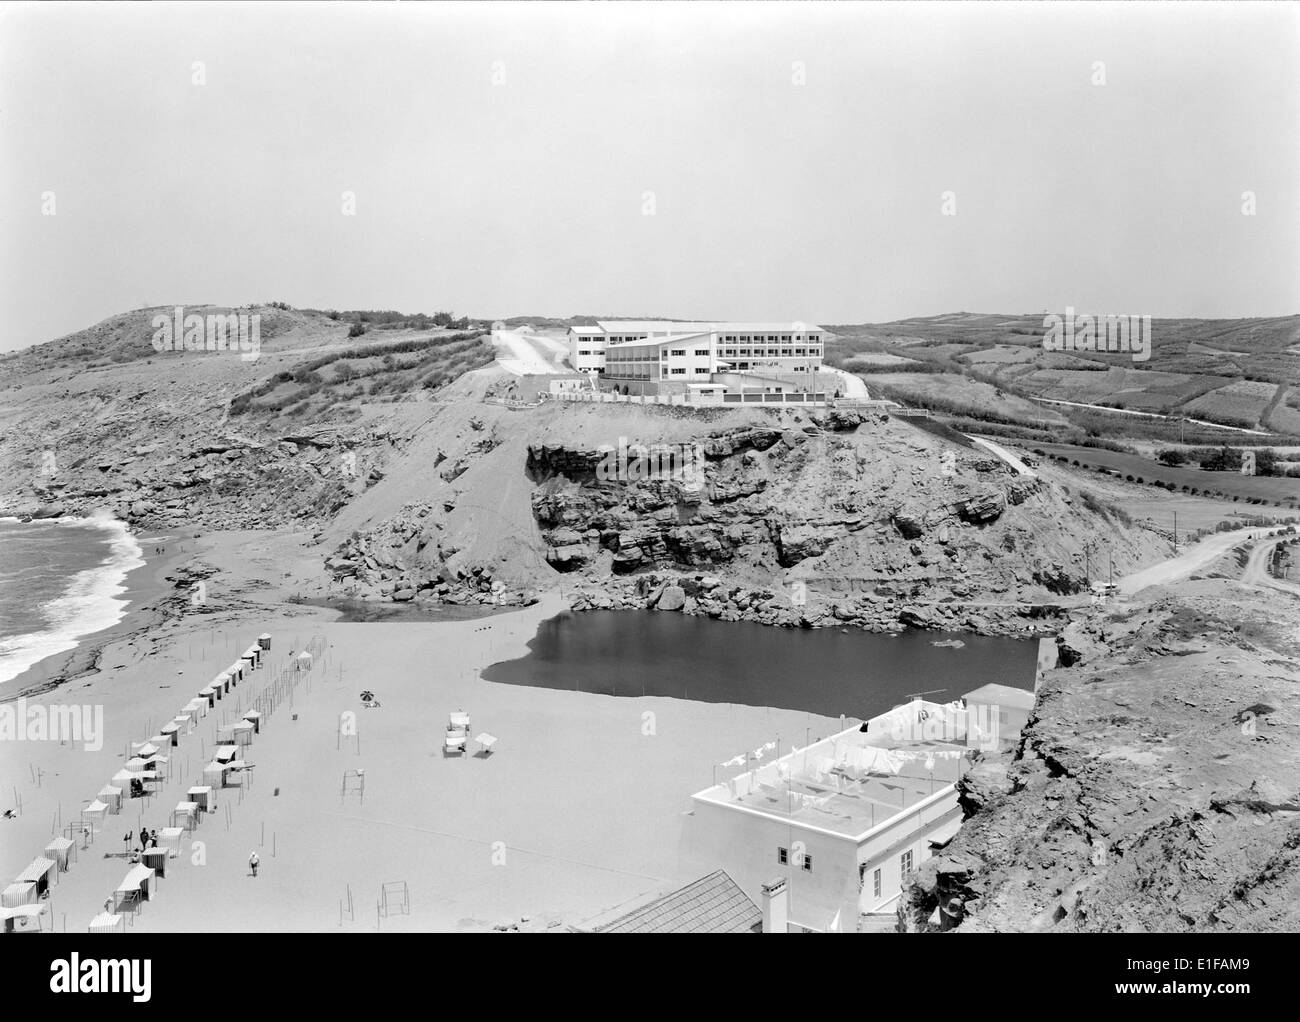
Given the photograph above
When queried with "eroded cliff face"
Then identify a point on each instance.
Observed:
(815, 519)
(1156, 788)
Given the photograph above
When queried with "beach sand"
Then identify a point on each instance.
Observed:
(577, 811)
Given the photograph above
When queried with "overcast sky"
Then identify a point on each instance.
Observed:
(741, 161)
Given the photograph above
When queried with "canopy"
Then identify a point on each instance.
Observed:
(163, 739)
(22, 911)
(171, 837)
(264, 635)
(225, 753)
(18, 894)
(456, 740)
(106, 922)
(136, 878)
(486, 740)
(59, 844)
(110, 791)
(197, 793)
(207, 690)
(186, 807)
(147, 749)
(96, 807)
(37, 869)
(253, 715)
(135, 775)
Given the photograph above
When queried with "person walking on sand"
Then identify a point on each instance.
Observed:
(252, 863)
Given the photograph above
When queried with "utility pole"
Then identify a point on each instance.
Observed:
(1175, 532)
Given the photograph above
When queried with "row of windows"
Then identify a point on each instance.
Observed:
(771, 352)
(770, 338)
(698, 371)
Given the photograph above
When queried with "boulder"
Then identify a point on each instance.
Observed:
(672, 598)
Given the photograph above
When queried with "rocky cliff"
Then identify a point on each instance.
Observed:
(1156, 788)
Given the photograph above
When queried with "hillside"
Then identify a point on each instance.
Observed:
(1239, 373)
(419, 486)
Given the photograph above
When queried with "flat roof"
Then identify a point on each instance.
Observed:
(853, 781)
(1004, 695)
(643, 326)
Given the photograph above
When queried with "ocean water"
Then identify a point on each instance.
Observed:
(60, 581)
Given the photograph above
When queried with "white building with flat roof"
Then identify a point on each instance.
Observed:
(843, 821)
(662, 356)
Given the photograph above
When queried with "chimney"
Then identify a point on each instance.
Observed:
(775, 897)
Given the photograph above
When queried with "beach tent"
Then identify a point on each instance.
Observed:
(196, 708)
(136, 886)
(458, 721)
(108, 922)
(208, 693)
(254, 717)
(243, 732)
(264, 640)
(19, 894)
(303, 662)
(21, 915)
(236, 673)
(186, 720)
(63, 851)
(145, 749)
(95, 812)
(40, 871)
(226, 753)
(252, 655)
(172, 732)
(156, 860)
(186, 815)
(205, 796)
(164, 740)
(112, 797)
(170, 839)
(214, 775)
(144, 764)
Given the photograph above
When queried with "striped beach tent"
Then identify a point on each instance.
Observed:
(108, 922)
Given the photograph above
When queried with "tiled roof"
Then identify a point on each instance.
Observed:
(712, 904)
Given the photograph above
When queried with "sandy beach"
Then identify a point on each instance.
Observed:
(577, 810)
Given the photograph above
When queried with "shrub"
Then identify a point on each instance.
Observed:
(356, 329)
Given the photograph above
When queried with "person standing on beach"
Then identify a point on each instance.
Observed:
(252, 863)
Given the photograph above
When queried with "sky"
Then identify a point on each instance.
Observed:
(834, 163)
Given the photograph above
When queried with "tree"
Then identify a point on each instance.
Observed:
(356, 330)
(1171, 456)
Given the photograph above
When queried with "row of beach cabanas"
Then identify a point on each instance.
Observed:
(141, 881)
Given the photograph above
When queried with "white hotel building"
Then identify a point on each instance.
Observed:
(664, 357)
(845, 820)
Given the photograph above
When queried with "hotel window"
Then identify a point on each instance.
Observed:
(580, 352)
(678, 351)
(783, 856)
(800, 351)
(679, 372)
(743, 365)
(786, 352)
(744, 351)
(906, 862)
(807, 863)
(785, 338)
(702, 352)
(875, 882)
(772, 337)
(702, 369)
